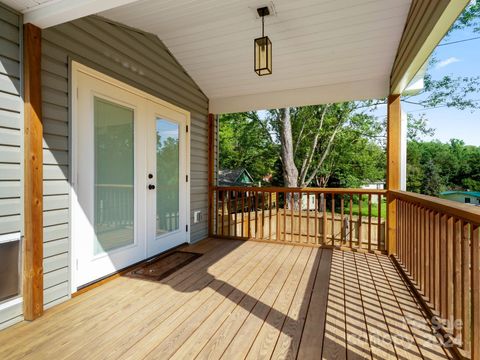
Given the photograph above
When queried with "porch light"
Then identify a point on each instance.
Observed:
(263, 48)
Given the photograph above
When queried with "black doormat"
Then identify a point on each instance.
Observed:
(159, 268)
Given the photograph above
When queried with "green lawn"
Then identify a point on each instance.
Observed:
(355, 210)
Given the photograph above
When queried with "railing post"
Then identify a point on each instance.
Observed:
(33, 173)
(394, 122)
(211, 170)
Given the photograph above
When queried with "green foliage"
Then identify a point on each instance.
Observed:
(244, 143)
(433, 167)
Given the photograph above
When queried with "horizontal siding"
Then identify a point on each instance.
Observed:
(135, 58)
(11, 119)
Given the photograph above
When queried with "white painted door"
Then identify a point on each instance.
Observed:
(167, 180)
(130, 192)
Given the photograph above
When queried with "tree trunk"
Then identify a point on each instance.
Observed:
(290, 171)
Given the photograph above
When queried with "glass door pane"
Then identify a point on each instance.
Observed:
(114, 176)
(167, 159)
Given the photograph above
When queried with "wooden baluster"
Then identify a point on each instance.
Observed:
(222, 212)
(255, 236)
(292, 215)
(300, 217)
(450, 271)
(342, 219)
(475, 291)
(229, 211)
(277, 208)
(308, 218)
(421, 256)
(360, 222)
(457, 285)
(235, 195)
(443, 266)
(324, 205)
(369, 240)
(243, 214)
(262, 207)
(465, 293)
(351, 221)
(249, 216)
(427, 252)
(284, 216)
(317, 240)
(437, 261)
(380, 244)
(270, 237)
(431, 226)
(333, 219)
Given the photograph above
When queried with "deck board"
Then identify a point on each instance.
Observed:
(240, 300)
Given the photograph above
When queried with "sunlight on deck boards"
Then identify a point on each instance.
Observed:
(239, 300)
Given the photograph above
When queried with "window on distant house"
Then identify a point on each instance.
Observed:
(467, 200)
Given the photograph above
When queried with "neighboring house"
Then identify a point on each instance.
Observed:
(375, 185)
(466, 197)
(235, 177)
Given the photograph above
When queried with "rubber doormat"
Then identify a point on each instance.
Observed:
(159, 268)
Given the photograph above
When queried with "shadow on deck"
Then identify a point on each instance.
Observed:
(240, 300)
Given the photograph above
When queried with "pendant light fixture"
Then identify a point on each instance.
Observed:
(263, 48)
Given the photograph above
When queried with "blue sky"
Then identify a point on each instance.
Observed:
(460, 59)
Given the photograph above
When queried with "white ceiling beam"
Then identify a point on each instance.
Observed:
(357, 90)
(61, 11)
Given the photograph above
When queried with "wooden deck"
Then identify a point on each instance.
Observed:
(239, 300)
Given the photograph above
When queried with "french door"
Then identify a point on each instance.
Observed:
(130, 164)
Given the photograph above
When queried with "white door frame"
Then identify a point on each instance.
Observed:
(76, 69)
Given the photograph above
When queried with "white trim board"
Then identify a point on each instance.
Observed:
(370, 89)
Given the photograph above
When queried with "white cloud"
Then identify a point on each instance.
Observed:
(446, 62)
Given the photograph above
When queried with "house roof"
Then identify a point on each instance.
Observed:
(231, 177)
(323, 51)
(468, 193)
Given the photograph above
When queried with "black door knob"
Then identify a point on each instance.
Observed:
(151, 187)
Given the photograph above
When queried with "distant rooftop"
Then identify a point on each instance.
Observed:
(469, 193)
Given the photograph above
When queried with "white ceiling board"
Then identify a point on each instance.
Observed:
(316, 43)
(23, 5)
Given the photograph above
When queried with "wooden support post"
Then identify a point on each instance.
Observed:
(211, 170)
(33, 176)
(393, 167)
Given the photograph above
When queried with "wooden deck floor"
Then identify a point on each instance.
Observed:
(239, 300)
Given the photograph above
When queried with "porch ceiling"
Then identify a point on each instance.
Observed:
(323, 51)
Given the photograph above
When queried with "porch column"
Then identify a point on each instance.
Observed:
(33, 176)
(394, 158)
(211, 170)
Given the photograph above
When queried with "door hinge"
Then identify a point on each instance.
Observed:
(76, 263)
(186, 178)
(186, 228)
(187, 128)
(77, 92)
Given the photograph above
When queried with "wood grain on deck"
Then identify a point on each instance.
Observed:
(239, 300)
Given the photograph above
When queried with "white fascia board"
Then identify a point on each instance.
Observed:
(335, 93)
(58, 12)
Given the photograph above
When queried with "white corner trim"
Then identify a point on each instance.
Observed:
(358, 90)
(62, 11)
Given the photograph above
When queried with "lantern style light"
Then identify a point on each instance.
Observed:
(263, 48)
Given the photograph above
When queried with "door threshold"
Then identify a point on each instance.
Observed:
(105, 279)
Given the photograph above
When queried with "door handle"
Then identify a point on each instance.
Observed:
(151, 187)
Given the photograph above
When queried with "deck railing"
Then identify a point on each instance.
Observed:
(352, 218)
(438, 248)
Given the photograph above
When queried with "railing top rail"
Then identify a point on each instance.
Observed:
(296, 189)
(470, 213)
